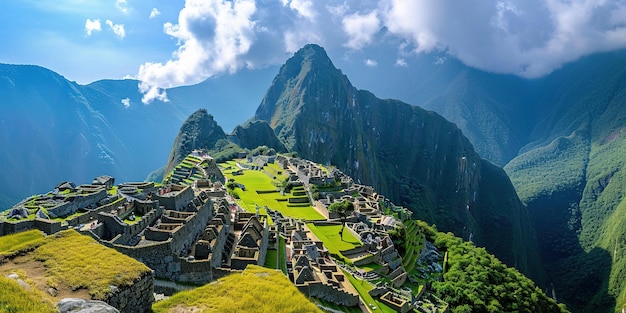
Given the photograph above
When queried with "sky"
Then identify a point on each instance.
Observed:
(170, 43)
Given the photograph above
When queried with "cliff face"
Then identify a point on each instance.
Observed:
(254, 134)
(572, 178)
(199, 131)
(413, 156)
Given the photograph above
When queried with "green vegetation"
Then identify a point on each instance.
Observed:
(363, 287)
(282, 254)
(344, 209)
(262, 190)
(80, 262)
(257, 289)
(333, 241)
(16, 299)
(23, 241)
(199, 131)
(476, 281)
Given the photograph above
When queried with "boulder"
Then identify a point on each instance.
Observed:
(73, 305)
(42, 214)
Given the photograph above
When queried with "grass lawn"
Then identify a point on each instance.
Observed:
(363, 287)
(15, 298)
(330, 236)
(20, 241)
(67, 253)
(282, 254)
(258, 180)
(257, 289)
(271, 259)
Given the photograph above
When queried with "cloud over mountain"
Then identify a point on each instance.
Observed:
(529, 38)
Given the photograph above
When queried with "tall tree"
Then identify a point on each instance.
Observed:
(343, 209)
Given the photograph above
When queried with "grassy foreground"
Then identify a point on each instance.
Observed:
(76, 261)
(81, 262)
(19, 242)
(16, 299)
(256, 289)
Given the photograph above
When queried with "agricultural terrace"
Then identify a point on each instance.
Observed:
(262, 190)
(256, 289)
(187, 171)
(363, 287)
(69, 262)
(330, 236)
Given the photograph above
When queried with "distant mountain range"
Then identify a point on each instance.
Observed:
(560, 139)
(52, 129)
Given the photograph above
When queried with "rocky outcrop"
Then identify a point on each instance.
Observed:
(75, 305)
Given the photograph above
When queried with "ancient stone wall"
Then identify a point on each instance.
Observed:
(47, 226)
(15, 227)
(163, 257)
(80, 201)
(177, 202)
(332, 294)
(135, 298)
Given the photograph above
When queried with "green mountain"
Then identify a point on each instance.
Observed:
(571, 176)
(413, 156)
(254, 134)
(199, 131)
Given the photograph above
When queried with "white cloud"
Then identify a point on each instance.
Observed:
(122, 5)
(212, 35)
(371, 63)
(361, 29)
(151, 93)
(154, 13)
(126, 102)
(525, 37)
(118, 29)
(303, 7)
(92, 26)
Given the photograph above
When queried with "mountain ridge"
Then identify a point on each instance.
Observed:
(412, 155)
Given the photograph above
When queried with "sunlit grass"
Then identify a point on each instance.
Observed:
(258, 180)
(16, 299)
(257, 289)
(20, 241)
(330, 236)
(81, 262)
(363, 287)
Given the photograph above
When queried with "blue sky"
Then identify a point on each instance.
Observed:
(180, 42)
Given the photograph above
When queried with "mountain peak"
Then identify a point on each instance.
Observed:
(309, 74)
(313, 53)
(199, 131)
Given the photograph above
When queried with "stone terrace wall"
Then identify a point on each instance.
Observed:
(80, 201)
(332, 294)
(165, 264)
(136, 298)
(177, 202)
(163, 257)
(16, 227)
